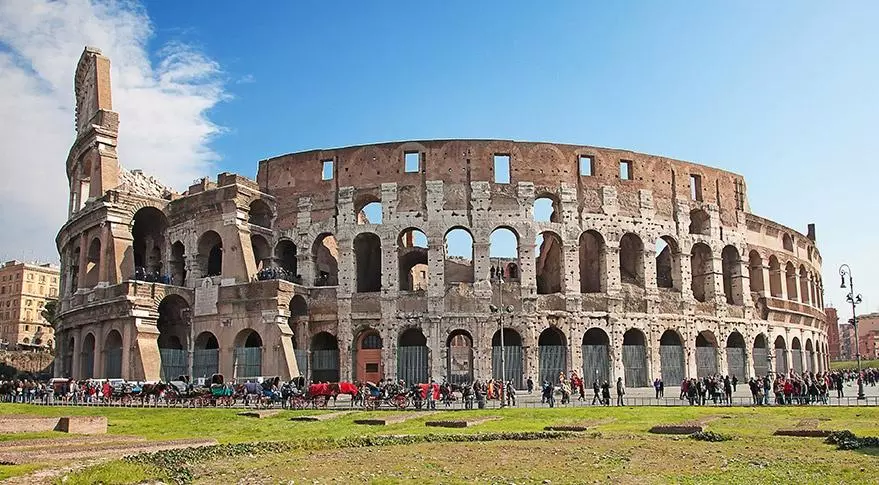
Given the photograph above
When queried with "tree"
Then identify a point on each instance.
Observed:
(50, 312)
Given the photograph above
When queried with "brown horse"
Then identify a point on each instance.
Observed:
(152, 390)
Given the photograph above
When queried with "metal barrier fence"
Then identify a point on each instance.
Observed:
(671, 361)
(248, 362)
(635, 364)
(205, 362)
(324, 365)
(173, 363)
(706, 361)
(736, 364)
(113, 364)
(513, 364)
(412, 364)
(596, 364)
(552, 362)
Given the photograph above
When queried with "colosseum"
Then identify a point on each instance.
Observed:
(416, 260)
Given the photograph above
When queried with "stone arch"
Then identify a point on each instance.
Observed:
(262, 253)
(787, 242)
(459, 357)
(368, 262)
(593, 266)
(810, 354)
(368, 364)
(549, 262)
(173, 325)
(87, 358)
(552, 353)
(774, 277)
(298, 306)
(368, 209)
(148, 228)
(668, 263)
(260, 214)
(93, 263)
(412, 253)
(760, 356)
(458, 255)
(596, 355)
(546, 208)
(324, 357)
(702, 268)
(513, 357)
(790, 275)
(796, 355)
(205, 355)
(412, 356)
(706, 354)
(736, 361)
(731, 266)
(635, 358)
(210, 254)
(700, 222)
(286, 257)
(631, 259)
(755, 272)
(248, 354)
(113, 355)
(503, 249)
(781, 363)
(671, 358)
(325, 253)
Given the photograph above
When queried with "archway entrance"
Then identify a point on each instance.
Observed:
(736, 364)
(173, 325)
(781, 364)
(412, 357)
(635, 359)
(796, 355)
(706, 354)
(248, 355)
(87, 363)
(596, 356)
(671, 358)
(760, 354)
(368, 358)
(205, 356)
(810, 356)
(324, 358)
(459, 361)
(513, 367)
(552, 355)
(113, 355)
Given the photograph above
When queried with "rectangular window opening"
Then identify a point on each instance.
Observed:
(625, 170)
(696, 187)
(327, 170)
(585, 166)
(501, 169)
(371, 367)
(412, 162)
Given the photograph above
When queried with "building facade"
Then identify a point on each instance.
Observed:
(414, 260)
(24, 291)
(868, 335)
(846, 341)
(833, 346)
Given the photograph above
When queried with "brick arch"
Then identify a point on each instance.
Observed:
(144, 203)
(172, 290)
(369, 156)
(545, 155)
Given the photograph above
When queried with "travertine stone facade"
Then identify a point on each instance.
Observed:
(616, 264)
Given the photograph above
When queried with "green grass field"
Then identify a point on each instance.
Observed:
(619, 449)
(853, 364)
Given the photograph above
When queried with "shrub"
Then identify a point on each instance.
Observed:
(846, 440)
(676, 429)
(710, 436)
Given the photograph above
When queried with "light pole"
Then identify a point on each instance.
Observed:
(854, 299)
(499, 310)
(186, 313)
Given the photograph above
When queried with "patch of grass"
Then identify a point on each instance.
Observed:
(7, 437)
(113, 473)
(853, 364)
(9, 471)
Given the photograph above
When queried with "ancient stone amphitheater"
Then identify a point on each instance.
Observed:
(410, 260)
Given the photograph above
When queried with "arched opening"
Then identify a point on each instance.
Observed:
(298, 306)
(755, 272)
(459, 360)
(87, 358)
(790, 272)
(810, 356)
(412, 250)
(324, 358)
(148, 229)
(796, 355)
(210, 254)
(113, 355)
(173, 325)
(635, 358)
(549, 263)
(248, 355)
(412, 357)
(368, 261)
(732, 275)
(700, 222)
(668, 264)
(286, 259)
(631, 260)
(205, 355)
(368, 357)
(760, 356)
(592, 262)
(260, 214)
(781, 363)
(774, 277)
(787, 242)
(262, 253)
(503, 249)
(671, 358)
(596, 356)
(93, 263)
(552, 354)
(458, 256)
(804, 285)
(178, 264)
(512, 355)
(736, 362)
(326, 260)
(370, 213)
(546, 209)
(706, 354)
(702, 269)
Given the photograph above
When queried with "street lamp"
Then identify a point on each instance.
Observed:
(854, 299)
(186, 314)
(498, 273)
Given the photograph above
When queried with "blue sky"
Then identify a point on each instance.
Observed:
(784, 92)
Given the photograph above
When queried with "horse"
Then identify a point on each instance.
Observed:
(153, 390)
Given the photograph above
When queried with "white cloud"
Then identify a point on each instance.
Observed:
(164, 128)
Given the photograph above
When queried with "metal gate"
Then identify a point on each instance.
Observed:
(301, 361)
(205, 362)
(810, 363)
(761, 361)
(671, 359)
(88, 364)
(635, 366)
(460, 365)
(412, 364)
(552, 362)
(325, 365)
(248, 362)
(113, 364)
(706, 361)
(512, 364)
(797, 357)
(781, 361)
(596, 364)
(173, 363)
(736, 363)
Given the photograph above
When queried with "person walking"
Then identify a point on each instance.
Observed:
(621, 391)
(548, 394)
(596, 393)
(605, 393)
(656, 387)
(530, 385)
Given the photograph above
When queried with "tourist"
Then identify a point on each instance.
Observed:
(530, 384)
(596, 392)
(605, 393)
(548, 394)
(621, 391)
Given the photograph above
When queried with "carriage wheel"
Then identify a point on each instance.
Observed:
(320, 401)
(126, 399)
(401, 401)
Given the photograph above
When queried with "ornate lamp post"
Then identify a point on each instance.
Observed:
(854, 299)
(498, 273)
